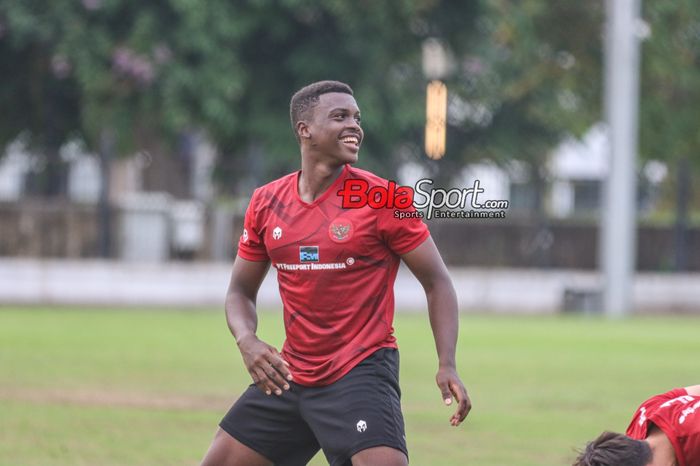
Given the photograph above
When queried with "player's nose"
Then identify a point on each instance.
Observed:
(354, 127)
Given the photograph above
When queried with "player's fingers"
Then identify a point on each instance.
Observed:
(276, 379)
(281, 366)
(260, 380)
(464, 405)
(266, 374)
(445, 390)
(290, 376)
(275, 358)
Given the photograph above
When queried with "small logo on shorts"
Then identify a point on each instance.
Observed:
(361, 426)
(277, 233)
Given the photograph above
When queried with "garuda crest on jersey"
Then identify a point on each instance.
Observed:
(340, 230)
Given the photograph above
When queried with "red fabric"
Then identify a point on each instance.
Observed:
(339, 308)
(677, 414)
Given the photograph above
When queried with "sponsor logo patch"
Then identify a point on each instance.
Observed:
(308, 254)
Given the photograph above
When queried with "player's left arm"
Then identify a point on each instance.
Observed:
(693, 390)
(427, 265)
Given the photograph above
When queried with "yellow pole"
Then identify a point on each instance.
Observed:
(435, 119)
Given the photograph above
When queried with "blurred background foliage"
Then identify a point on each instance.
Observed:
(525, 75)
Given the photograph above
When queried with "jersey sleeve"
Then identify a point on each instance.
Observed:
(654, 410)
(251, 245)
(402, 235)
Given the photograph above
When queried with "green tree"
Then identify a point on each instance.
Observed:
(36, 98)
(147, 72)
(670, 101)
(374, 46)
(527, 73)
(532, 79)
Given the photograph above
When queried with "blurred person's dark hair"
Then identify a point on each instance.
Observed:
(306, 98)
(613, 449)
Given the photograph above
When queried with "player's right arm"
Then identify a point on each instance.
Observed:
(693, 390)
(263, 362)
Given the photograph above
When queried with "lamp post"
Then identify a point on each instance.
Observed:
(435, 119)
(435, 66)
(618, 226)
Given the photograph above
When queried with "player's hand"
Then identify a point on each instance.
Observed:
(265, 365)
(451, 386)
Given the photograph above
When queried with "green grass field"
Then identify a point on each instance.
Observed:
(126, 387)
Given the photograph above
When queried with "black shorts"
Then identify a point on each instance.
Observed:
(359, 411)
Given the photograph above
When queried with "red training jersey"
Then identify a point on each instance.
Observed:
(336, 269)
(677, 414)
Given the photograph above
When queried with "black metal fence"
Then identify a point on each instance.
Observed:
(57, 228)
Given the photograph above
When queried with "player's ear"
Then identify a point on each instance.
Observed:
(303, 130)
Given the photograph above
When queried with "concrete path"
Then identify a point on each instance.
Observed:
(179, 284)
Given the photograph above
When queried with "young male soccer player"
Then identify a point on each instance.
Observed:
(665, 431)
(335, 384)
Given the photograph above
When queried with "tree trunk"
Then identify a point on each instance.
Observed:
(105, 224)
(683, 182)
(543, 234)
(53, 178)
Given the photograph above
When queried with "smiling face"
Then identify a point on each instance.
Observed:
(333, 132)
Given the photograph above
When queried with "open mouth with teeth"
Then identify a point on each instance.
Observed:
(352, 141)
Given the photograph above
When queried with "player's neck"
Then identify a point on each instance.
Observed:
(316, 178)
(661, 449)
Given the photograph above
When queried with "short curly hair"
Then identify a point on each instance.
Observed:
(306, 98)
(613, 449)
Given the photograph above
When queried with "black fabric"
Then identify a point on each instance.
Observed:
(359, 411)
